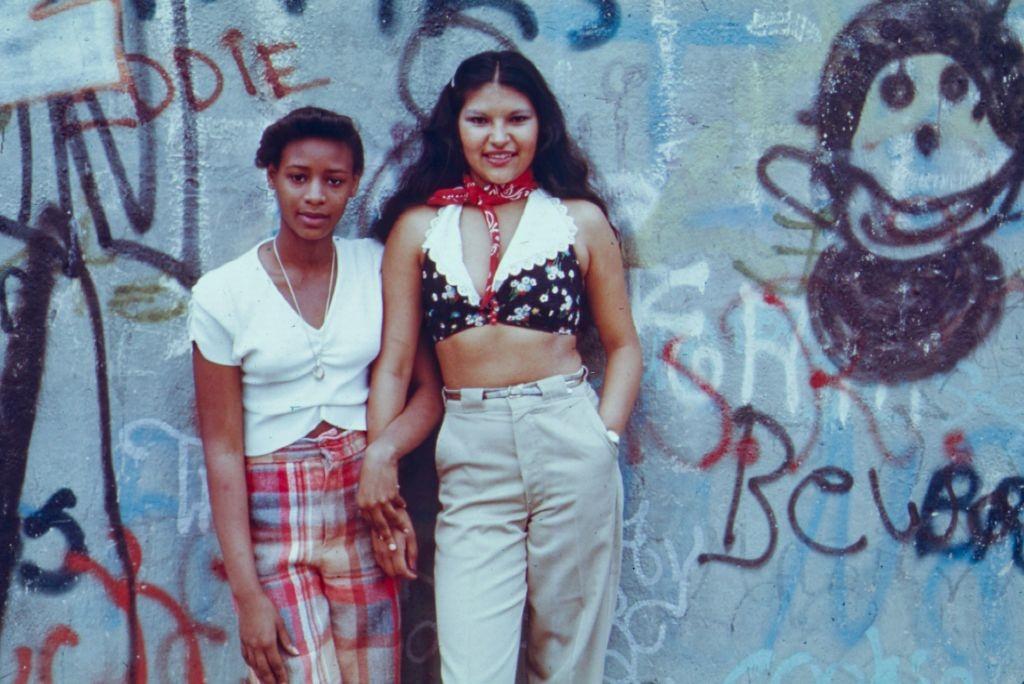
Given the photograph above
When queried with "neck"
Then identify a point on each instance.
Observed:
(301, 253)
(525, 178)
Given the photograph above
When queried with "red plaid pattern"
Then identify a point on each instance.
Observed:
(315, 561)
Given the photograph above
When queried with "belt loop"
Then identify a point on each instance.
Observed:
(555, 386)
(471, 398)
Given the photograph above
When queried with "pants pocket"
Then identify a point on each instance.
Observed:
(441, 445)
(589, 403)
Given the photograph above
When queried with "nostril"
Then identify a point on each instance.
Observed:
(927, 139)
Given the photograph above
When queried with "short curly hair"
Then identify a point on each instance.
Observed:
(309, 122)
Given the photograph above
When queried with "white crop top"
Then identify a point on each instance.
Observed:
(237, 317)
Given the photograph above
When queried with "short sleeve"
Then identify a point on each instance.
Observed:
(376, 250)
(210, 335)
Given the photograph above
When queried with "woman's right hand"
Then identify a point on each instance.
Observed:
(263, 636)
(377, 497)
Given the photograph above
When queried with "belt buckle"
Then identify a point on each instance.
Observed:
(515, 391)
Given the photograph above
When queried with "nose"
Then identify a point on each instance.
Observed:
(315, 191)
(499, 134)
(927, 139)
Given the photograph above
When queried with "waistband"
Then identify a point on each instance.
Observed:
(553, 385)
(337, 442)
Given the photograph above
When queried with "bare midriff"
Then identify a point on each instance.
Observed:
(502, 355)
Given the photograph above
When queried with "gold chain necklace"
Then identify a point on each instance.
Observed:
(318, 366)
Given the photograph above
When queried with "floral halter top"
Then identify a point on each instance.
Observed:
(537, 283)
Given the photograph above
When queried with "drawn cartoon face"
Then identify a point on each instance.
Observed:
(920, 150)
(926, 167)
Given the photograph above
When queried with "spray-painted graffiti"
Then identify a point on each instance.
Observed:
(145, 10)
(438, 14)
(644, 618)
(59, 636)
(116, 102)
(277, 74)
(912, 88)
(830, 421)
(187, 629)
(879, 667)
(954, 519)
(823, 471)
(785, 489)
(954, 489)
(54, 515)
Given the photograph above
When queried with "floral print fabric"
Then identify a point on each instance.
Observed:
(548, 297)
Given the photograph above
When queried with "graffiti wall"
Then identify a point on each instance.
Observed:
(822, 223)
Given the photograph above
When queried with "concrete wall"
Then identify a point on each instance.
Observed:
(823, 473)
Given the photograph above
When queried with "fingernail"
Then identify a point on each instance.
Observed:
(392, 547)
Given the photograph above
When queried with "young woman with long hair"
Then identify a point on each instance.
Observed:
(283, 339)
(498, 247)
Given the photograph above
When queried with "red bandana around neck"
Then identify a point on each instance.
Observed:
(486, 196)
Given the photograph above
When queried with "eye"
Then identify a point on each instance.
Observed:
(476, 120)
(520, 118)
(954, 83)
(336, 182)
(297, 177)
(898, 90)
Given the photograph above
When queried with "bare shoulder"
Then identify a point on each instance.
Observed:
(405, 242)
(412, 225)
(590, 221)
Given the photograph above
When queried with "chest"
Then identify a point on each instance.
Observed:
(308, 292)
(275, 344)
(478, 242)
(341, 327)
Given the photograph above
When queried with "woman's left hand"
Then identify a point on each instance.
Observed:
(378, 498)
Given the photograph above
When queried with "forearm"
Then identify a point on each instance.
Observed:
(623, 374)
(229, 504)
(395, 428)
(388, 391)
(410, 427)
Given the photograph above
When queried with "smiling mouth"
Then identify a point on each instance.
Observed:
(499, 157)
(919, 221)
(893, 224)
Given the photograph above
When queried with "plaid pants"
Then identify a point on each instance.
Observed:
(315, 561)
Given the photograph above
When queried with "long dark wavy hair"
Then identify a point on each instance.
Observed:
(559, 166)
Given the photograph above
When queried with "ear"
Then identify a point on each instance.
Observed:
(271, 172)
(355, 184)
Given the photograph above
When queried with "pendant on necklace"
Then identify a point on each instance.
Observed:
(318, 371)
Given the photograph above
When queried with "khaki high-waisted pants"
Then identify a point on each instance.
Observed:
(531, 515)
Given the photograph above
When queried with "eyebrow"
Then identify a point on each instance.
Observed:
(521, 110)
(306, 167)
